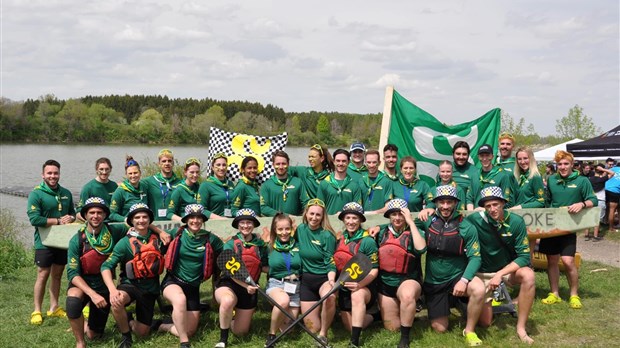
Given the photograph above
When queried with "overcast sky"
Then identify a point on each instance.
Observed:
(455, 59)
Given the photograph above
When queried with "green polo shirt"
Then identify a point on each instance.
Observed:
(309, 179)
(286, 196)
(159, 190)
(245, 195)
(375, 191)
(416, 193)
(123, 198)
(45, 202)
(337, 193)
(182, 196)
(95, 188)
(215, 196)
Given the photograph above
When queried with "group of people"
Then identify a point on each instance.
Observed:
(465, 257)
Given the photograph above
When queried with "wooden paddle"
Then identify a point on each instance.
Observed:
(354, 271)
(233, 266)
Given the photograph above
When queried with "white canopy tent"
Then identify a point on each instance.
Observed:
(549, 153)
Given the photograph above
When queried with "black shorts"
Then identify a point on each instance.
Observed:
(439, 298)
(97, 317)
(344, 297)
(145, 302)
(565, 245)
(612, 197)
(389, 291)
(44, 258)
(310, 286)
(244, 300)
(192, 293)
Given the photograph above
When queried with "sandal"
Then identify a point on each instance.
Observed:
(471, 339)
(551, 299)
(36, 318)
(575, 302)
(58, 313)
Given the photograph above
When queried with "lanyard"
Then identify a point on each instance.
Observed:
(287, 260)
(406, 193)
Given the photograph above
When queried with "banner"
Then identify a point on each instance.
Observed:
(419, 134)
(238, 146)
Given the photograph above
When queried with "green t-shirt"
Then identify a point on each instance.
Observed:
(416, 193)
(309, 179)
(356, 173)
(43, 203)
(182, 196)
(337, 193)
(566, 191)
(123, 198)
(316, 248)
(282, 196)
(215, 196)
(495, 177)
(284, 260)
(375, 191)
(159, 190)
(465, 176)
(245, 195)
(189, 264)
(95, 188)
(507, 164)
(531, 192)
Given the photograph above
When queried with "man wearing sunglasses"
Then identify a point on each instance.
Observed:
(505, 159)
(160, 185)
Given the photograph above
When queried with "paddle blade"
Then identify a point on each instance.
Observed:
(356, 269)
(232, 265)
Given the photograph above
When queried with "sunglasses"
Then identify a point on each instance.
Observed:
(318, 148)
(220, 155)
(506, 135)
(165, 152)
(191, 161)
(315, 201)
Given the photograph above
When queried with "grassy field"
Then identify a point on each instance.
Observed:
(596, 325)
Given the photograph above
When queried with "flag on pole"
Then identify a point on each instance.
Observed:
(419, 134)
(238, 146)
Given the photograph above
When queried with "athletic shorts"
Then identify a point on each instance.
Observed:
(244, 300)
(97, 317)
(279, 284)
(439, 299)
(44, 258)
(310, 286)
(387, 290)
(565, 245)
(344, 297)
(145, 302)
(612, 197)
(192, 293)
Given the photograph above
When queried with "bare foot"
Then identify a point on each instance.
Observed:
(525, 338)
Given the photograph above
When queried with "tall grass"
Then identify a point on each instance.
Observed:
(13, 256)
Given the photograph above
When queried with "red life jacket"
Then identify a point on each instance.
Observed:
(90, 259)
(344, 252)
(173, 254)
(147, 261)
(443, 238)
(250, 257)
(394, 255)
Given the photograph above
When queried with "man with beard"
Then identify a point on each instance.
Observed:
(505, 159)
(338, 188)
(374, 185)
(465, 173)
(390, 158)
(160, 186)
(49, 204)
(493, 176)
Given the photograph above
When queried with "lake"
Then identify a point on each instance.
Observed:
(20, 165)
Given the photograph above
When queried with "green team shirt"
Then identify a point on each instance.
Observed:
(182, 196)
(464, 176)
(356, 173)
(531, 192)
(245, 195)
(122, 254)
(95, 188)
(309, 179)
(159, 191)
(215, 196)
(441, 269)
(285, 263)
(507, 164)
(393, 279)
(286, 196)
(416, 193)
(74, 252)
(337, 193)
(123, 198)
(188, 266)
(316, 248)
(45, 202)
(460, 194)
(572, 189)
(496, 255)
(375, 191)
(495, 177)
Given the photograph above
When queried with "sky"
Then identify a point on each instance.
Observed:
(455, 59)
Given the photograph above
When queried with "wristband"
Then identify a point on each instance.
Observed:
(464, 280)
(584, 205)
(57, 221)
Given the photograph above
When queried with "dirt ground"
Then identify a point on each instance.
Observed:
(604, 251)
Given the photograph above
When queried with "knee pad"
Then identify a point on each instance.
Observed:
(74, 307)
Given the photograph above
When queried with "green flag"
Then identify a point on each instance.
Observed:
(417, 133)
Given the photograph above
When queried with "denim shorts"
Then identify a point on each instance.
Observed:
(278, 283)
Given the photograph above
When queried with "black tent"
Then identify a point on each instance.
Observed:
(605, 145)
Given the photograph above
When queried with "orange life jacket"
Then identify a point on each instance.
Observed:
(344, 252)
(173, 254)
(90, 259)
(394, 255)
(250, 257)
(147, 261)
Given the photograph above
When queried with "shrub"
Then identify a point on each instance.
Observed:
(14, 255)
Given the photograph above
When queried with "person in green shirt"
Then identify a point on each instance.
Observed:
(160, 186)
(282, 192)
(355, 297)
(390, 159)
(452, 260)
(232, 294)
(128, 193)
(504, 158)
(505, 256)
(245, 195)
(284, 272)
(320, 163)
(88, 249)
(357, 168)
(465, 172)
(444, 177)
(338, 188)
(409, 187)
(49, 204)
(400, 248)
(316, 239)
(101, 186)
(139, 253)
(190, 260)
(493, 176)
(375, 185)
(216, 189)
(531, 187)
(566, 188)
(186, 192)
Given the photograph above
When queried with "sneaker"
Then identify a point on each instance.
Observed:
(185, 345)
(324, 343)
(551, 299)
(587, 238)
(58, 313)
(86, 311)
(352, 345)
(597, 239)
(472, 339)
(575, 302)
(36, 318)
(126, 342)
(220, 345)
(270, 338)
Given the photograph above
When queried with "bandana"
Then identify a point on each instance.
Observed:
(568, 179)
(127, 186)
(256, 241)
(164, 183)
(335, 183)
(43, 187)
(251, 183)
(404, 182)
(102, 243)
(359, 234)
(284, 185)
(286, 247)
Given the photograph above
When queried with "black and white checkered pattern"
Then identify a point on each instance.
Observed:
(222, 141)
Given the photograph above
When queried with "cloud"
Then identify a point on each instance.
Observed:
(261, 50)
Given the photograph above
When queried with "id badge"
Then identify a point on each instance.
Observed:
(162, 212)
(227, 212)
(290, 288)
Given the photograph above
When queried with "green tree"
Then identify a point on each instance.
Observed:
(576, 125)
(150, 127)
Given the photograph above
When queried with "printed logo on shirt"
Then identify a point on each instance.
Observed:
(290, 187)
(571, 186)
(347, 190)
(64, 197)
(317, 242)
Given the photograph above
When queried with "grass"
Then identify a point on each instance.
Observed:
(596, 325)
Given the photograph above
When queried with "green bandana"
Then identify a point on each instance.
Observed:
(284, 185)
(217, 181)
(251, 183)
(523, 178)
(127, 186)
(335, 183)
(286, 247)
(359, 234)
(318, 177)
(571, 177)
(256, 240)
(486, 178)
(404, 182)
(191, 190)
(102, 242)
(43, 187)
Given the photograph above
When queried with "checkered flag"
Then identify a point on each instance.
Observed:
(237, 146)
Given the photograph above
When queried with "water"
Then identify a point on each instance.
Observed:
(20, 166)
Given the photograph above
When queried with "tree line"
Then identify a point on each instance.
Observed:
(150, 119)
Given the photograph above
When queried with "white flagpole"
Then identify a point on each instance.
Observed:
(385, 121)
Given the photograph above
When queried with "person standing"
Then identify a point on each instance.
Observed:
(612, 197)
(245, 195)
(444, 177)
(491, 175)
(531, 187)
(357, 168)
(101, 186)
(186, 192)
(465, 173)
(282, 193)
(598, 180)
(505, 160)
(129, 192)
(409, 187)
(339, 188)
(375, 186)
(390, 159)
(159, 187)
(320, 163)
(215, 191)
(49, 204)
